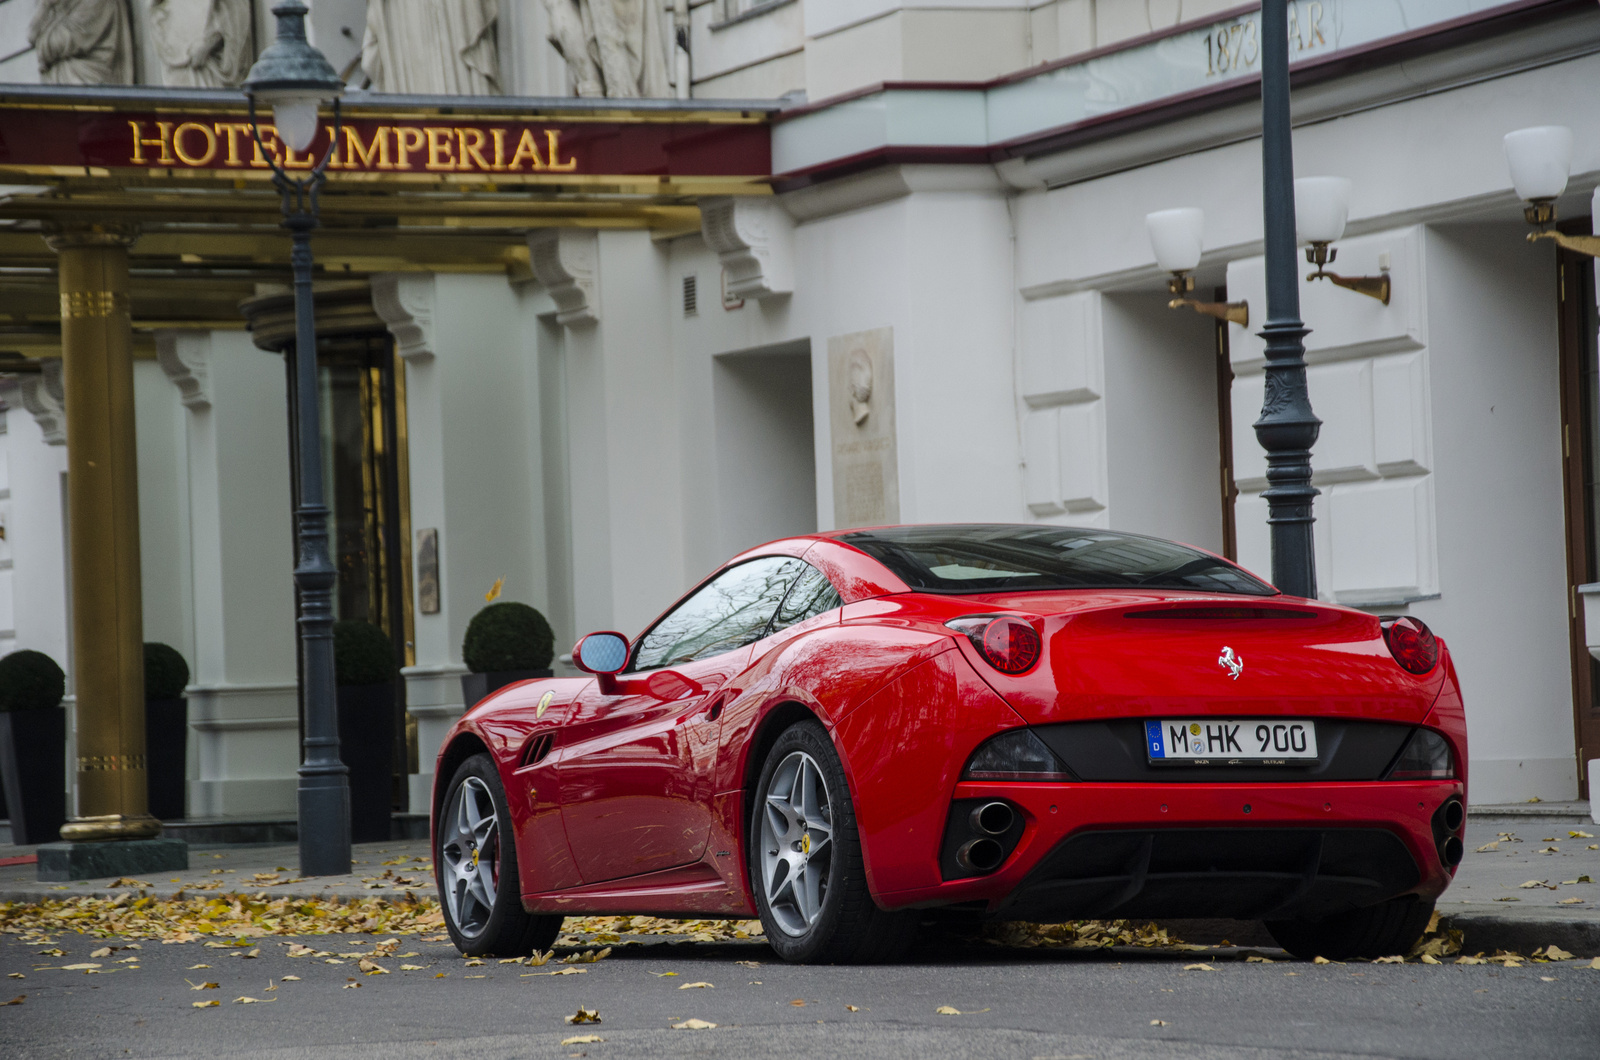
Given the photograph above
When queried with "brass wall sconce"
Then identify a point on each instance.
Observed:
(1175, 235)
(1321, 208)
(1540, 160)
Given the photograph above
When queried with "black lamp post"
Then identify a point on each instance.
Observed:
(295, 78)
(1287, 428)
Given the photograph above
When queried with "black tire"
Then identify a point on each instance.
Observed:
(850, 928)
(1382, 930)
(501, 927)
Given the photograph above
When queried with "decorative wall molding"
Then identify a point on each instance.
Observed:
(183, 357)
(1063, 417)
(43, 397)
(567, 262)
(405, 302)
(754, 240)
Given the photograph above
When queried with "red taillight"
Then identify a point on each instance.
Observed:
(1008, 644)
(1412, 644)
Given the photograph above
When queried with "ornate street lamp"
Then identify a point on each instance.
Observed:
(295, 79)
(1287, 428)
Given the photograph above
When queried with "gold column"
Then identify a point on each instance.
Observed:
(103, 532)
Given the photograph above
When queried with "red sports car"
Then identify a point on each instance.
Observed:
(841, 731)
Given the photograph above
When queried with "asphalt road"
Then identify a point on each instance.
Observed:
(1016, 1004)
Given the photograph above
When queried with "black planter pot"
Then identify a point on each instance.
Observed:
(166, 746)
(366, 746)
(475, 686)
(33, 751)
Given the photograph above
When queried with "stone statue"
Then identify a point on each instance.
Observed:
(433, 47)
(615, 48)
(203, 43)
(83, 42)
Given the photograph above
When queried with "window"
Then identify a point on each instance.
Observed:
(986, 559)
(734, 609)
(811, 595)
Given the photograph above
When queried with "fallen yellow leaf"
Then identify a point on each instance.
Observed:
(1428, 958)
(1198, 968)
(202, 986)
(1579, 835)
(413, 967)
(193, 967)
(947, 1010)
(851, 1008)
(1320, 960)
(663, 975)
(252, 1001)
(694, 1025)
(584, 1015)
(693, 986)
(77, 967)
(1556, 953)
(19, 999)
(15, 975)
(103, 951)
(205, 1004)
(1531, 883)
(1396, 959)
(372, 967)
(1569, 901)
(582, 1039)
(352, 986)
(1158, 1023)
(290, 979)
(1488, 847)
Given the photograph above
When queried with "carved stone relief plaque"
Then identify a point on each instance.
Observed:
(866, 483)
(428, 571)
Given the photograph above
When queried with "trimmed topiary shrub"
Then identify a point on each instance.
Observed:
(30, 680)
(166, 675)
(508, 636)
(362, 654)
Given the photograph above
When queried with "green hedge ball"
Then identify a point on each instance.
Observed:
(508, 636)
(363, 654)
(30, 680)
(166, 675)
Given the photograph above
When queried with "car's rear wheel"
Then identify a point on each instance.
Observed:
(1382, 930)
(475, 863)
(805, 859)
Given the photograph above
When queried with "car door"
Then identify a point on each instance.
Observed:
(637, 769)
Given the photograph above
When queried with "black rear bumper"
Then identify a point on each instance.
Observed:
(1238, 873)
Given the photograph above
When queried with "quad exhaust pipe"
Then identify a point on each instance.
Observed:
(980, 855)
(993, 818)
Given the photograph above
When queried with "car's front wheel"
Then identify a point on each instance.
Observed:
(1381, 930)
(475, 861)
(805, 859)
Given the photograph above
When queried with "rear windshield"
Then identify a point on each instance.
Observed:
(981, 559)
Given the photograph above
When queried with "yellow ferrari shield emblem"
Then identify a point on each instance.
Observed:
(805, 844)
(474, 857)
(544, 704)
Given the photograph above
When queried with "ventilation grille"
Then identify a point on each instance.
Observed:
(537, 749)
(691, 295)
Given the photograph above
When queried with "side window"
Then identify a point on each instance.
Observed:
(811, 594)
(730, 612)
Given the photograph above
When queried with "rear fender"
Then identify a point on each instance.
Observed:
(903, 751)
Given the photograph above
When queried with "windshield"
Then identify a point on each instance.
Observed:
(983, 559)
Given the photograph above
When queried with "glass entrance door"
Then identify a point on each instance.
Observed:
(361, 391)
(1580, 447)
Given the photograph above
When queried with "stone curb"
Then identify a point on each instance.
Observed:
(1485, 932)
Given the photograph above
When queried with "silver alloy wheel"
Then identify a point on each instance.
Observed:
(469, 851)
(796, 843)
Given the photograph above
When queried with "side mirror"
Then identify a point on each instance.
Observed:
(603, 653)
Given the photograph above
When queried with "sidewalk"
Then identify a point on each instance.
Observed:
(1507, 847)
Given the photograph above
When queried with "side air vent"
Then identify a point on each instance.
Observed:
(691, 295)
(536, 749)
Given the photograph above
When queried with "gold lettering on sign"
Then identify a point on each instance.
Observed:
(233, 130)
(407, 138)
(196, 145)
(184, 156)
(554, 137)
(527, 148)
(360, 155)
(163, 141)
(441, 148)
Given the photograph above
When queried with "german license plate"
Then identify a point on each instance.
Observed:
(1231, 741)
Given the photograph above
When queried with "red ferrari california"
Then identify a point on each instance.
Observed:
(840, 732)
